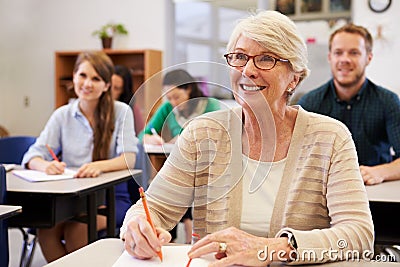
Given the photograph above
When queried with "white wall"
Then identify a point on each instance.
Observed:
(31, 31)
(384, 68)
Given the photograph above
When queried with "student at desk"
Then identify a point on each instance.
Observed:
(185, 101)
(121, 90)
(371, 112)
(265, 176)
(95, 134)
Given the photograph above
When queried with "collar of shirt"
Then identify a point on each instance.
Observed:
(355, 98)
(77, 114)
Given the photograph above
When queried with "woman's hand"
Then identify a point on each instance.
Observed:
(49, 167)
(92, 169)
(153, 139)
(141, 241)
(372, 175)
(55, 167)
(241, 248)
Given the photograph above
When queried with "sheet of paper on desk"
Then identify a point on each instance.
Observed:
(38, 176)
(173, 256)
(164, 148)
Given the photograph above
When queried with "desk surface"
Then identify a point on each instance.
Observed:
(384, 192)
(158, 149)
(8, 211)
(47, 203)
(105, 252)
(68, 186)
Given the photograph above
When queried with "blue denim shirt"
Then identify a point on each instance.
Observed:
(69, 134)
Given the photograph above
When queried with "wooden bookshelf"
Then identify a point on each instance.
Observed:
(143, 63)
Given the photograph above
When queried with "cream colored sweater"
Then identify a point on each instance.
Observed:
(321, 199)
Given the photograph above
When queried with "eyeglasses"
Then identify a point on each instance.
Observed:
(263, 62)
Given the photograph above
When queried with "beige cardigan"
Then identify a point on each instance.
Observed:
(321, 199)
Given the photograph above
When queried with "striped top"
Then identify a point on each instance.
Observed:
(321, 198)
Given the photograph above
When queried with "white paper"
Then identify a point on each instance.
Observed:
(159, 149)
(38, 176)
(173, 256)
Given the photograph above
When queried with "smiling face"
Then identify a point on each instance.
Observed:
(178, 97)
(88, 84)
(250, 84)
(348, 58)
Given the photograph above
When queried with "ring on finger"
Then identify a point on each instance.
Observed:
(222, 246)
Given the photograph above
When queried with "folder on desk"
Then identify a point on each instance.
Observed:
(38, 176)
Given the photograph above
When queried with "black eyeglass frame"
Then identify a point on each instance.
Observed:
(254, 62)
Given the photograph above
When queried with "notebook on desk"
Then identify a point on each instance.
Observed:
(175, 256)
(38, 176)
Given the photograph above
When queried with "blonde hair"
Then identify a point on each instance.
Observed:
(277, 33)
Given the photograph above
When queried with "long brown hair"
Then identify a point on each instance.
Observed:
(104, 113)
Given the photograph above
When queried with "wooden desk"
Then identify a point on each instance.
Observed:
(105, 252)
(44, 204)
(7, 211)
(384, 201)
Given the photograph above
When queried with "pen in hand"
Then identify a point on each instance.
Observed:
(153, 131)
(195, 237)
(53, 155)
(158, 139)
(146, 209)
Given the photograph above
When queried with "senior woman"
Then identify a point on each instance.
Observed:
(269, 182)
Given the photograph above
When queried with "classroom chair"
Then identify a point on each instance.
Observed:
(4, 253)
(12, 150)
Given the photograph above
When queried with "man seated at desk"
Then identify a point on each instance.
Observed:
(371, 112)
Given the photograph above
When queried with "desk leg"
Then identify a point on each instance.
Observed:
(111, 224)
(92, 220)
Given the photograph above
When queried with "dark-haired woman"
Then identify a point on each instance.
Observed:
(185, 101)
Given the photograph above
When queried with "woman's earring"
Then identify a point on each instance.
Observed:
(290, 90)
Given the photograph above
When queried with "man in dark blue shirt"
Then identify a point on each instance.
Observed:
(371, 112)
